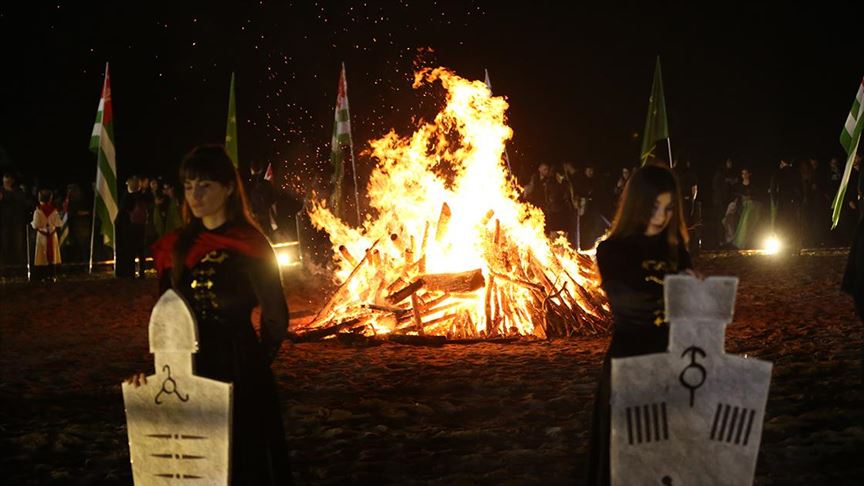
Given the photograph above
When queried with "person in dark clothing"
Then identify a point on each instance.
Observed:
(14, 210)
(592, 196)
(222, 264)
(722, 185)
(131, 230)
(262, 197)
(547, 193)
(647, 241)
(785, 192)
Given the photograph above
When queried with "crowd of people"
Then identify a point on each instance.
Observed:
(46, 226)
(735, 211)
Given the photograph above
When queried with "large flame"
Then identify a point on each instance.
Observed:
(443, 202)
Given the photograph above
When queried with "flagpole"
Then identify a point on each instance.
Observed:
(93, 220)
(669, 146)
(353, 164)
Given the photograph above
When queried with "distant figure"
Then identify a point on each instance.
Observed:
(262, 197)
(592, 199)
(785, 192)
(13, 218)
(749, 213)
(620, 183)
(166, 214)
(547, 193)
(46, 222)
(722, 186)
(131, 230)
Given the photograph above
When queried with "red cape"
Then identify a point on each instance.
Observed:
(241, 238)
(47, 209)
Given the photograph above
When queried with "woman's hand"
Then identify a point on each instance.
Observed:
(693, 273)
(137, 380)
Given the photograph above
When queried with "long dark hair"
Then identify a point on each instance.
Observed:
(208, 162)
(637, 203)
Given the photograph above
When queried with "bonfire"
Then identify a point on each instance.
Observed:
(447, 248)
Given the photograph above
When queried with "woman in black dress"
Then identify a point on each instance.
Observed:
(224, 267)
(647, 241)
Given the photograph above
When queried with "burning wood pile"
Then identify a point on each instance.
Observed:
(452, 250)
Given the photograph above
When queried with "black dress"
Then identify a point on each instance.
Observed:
(632, 271)
(222, 288)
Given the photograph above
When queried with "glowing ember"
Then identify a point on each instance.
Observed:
(449, 248)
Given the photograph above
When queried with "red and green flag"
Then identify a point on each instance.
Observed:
(341, 149)
(102, 143)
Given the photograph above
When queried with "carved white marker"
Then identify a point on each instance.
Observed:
(179, 424)
(694, 414)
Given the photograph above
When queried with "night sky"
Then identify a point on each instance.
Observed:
(755, 83)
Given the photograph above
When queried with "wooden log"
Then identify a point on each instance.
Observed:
(318, 334)
(405, 292)
(487, 308)
(454, 282)
(421, 263)
(384, 308)
(415, 306)
(322, 314)
(347, 256)
(443, 222)
(487, 217)
(428, 311)
(516, 281)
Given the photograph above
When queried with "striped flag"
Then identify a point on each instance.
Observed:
(656, 127)
(231, 128)
(506, 155)
(849, 138)
(102, 143)
(340, 142)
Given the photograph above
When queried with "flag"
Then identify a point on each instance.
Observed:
(656, 127)
(489, 85)
(231, 128)
(268, 174)
(849, 138)
(102, 142)
(341, 140)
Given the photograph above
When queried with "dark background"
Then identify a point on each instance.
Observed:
(752, 82)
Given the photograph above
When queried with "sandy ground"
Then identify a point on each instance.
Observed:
(392, 414)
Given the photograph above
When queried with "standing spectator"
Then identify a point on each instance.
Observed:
(749, 212)
(166, 214)
(547, 193)
(785, 192)
(591, 197)
(620, 183)
(262, 197)
(46, 222)
(13, 218)
(722, 185)
(131, 228)
(75, 218)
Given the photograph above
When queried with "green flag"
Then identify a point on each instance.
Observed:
(231, 128)
(656, 127)
(102, 143)
(849, 138)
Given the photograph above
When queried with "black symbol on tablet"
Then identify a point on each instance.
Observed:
(732, 424)
(647, 423)
(693, 375)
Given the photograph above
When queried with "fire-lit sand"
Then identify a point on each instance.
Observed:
(512, 413)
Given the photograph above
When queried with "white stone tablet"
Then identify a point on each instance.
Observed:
(692, 415)
(179, 424)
